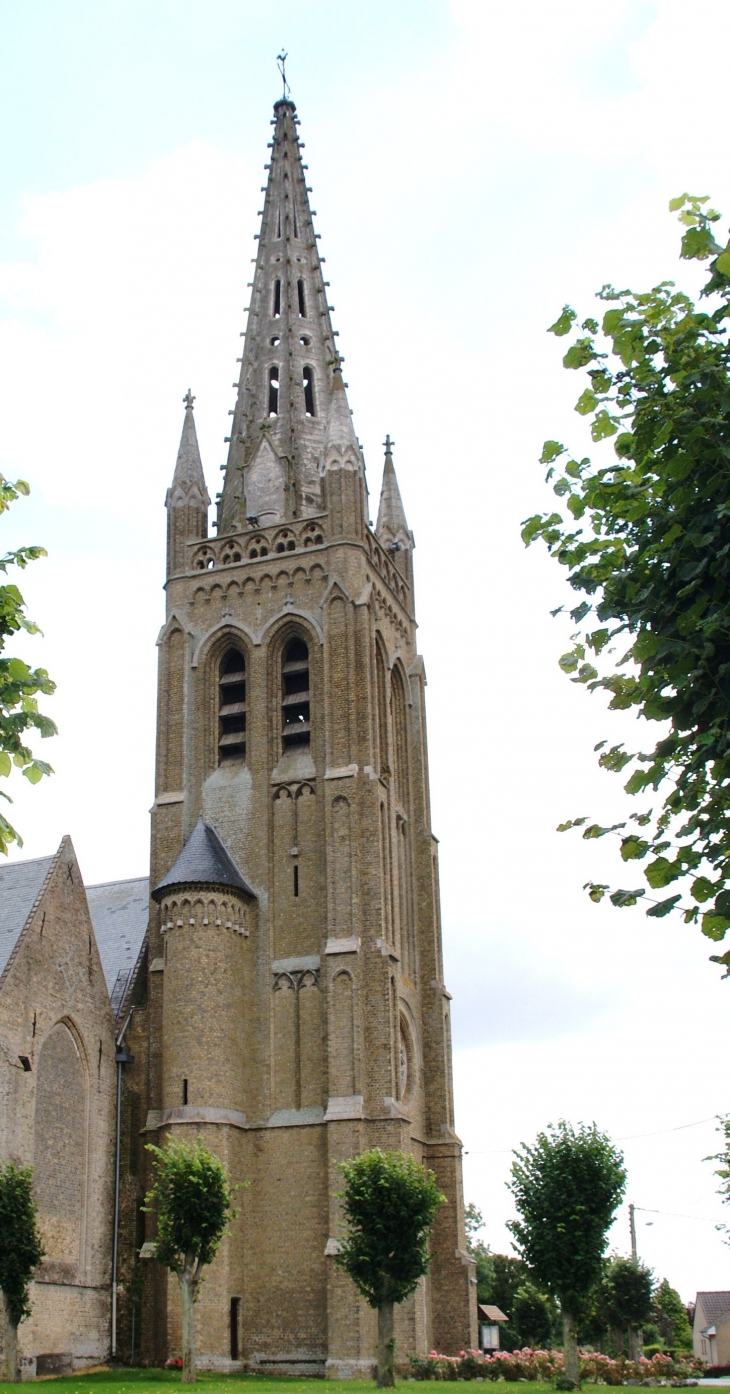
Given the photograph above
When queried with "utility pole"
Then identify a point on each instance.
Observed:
(632, 1227)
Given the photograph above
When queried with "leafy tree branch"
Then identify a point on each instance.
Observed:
(645, 539)
(19, 683)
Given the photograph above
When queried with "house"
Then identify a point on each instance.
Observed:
(63, 951)
(711, 1327)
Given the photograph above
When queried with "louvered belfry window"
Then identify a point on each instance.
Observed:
(295, 694)
(232, 706)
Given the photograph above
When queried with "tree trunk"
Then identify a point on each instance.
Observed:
(570, 1348)
(618, 1337)
(188, 1285)
(636, 1343)
(386, 1346)
(11, 1344)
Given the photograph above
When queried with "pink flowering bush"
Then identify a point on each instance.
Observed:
(545, 1365)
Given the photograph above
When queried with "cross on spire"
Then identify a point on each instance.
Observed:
(388, 445)
(188, 400)
(281, 64)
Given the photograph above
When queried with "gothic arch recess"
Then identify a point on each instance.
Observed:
(174, 664)
(342, 1037)
(381, 707)
(287, 629)
(222, 642)
(60, 1150)
(399, 719)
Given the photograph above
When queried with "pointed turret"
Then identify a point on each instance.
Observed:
(187, 499)
(290, 365)
(391, 528)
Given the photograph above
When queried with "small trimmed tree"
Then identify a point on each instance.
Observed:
(20, 1253)
(566, 1187)
(390, 1203)
(533, 1316)
(670, 1315)
(626, 1297)
(191, 1195)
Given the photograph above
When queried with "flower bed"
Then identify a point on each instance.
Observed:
(545, 1365)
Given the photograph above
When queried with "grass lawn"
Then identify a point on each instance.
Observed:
(164, 1381)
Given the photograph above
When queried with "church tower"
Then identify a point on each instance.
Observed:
(296, 1009)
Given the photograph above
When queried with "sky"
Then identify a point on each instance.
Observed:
(474, 167)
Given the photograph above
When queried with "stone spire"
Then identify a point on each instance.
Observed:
(290, 361)
(391, 527)
(187, 499)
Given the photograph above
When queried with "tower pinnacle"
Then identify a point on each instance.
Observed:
(288, 368)
(391, 526)
(187, 499)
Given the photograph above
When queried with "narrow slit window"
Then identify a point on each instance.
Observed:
(185, 1093)
(232, 707)
(277, 298)
(308, 385)
(295, 699)
(274, 390)
(235, 1315)
(296, 225)
(278, 222)
(302, 301)
(296, 880)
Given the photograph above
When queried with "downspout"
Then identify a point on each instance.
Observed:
(122, 1058)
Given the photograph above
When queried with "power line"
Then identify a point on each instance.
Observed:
(627, 1137)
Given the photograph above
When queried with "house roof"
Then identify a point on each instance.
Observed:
(204, 861)
(119, 913)
(715, 1305)
(490, 1313)
(20, 883)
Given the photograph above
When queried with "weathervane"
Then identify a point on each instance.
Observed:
(281, 63)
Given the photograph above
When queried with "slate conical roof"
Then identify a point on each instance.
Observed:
(188, 475)
(289, 335)
(391, 525)
(203, 861)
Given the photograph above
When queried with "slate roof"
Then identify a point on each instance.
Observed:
(20, 883)
(119, 913)
(715, 1305)
(204, 861)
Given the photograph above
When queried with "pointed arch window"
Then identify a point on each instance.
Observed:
(295, 694)
(302, 300)
(232, 706)
(308, 389)
(277, 298)
(274, 390)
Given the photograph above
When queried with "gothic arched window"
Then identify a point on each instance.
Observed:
(308, 386)
(302, 301)
(232, 706)
(274, 390)
(295, 693)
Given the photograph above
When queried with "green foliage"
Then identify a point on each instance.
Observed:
(626, 1293)
(191, 1194)
(652, 559)
(18, 683)
(670, 1316)
(20, 1248)
(566, 1189)
(390, 1203)
(723, 1171)
(480, 1252)
(532, 1317)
